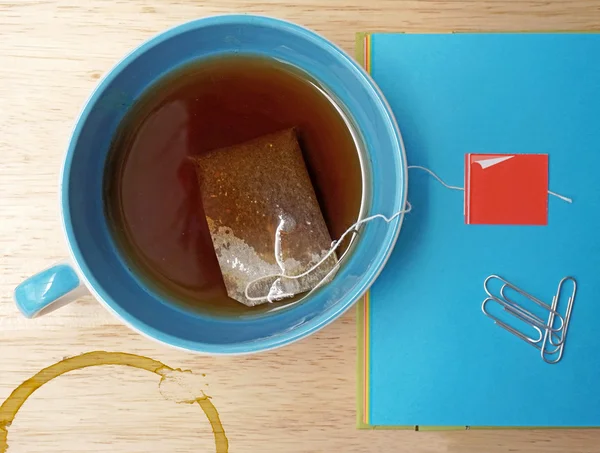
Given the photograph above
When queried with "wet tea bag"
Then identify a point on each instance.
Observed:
(264, 219)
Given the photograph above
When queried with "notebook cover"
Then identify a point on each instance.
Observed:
(428, 357)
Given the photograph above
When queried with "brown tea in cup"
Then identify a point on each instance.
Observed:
(152, 196)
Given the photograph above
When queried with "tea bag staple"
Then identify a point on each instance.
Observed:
(264, 219)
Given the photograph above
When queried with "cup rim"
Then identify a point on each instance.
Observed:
(264, 344)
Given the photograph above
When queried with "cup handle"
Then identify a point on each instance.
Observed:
(48, 290)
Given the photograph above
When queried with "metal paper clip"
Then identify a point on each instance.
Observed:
(549, 335)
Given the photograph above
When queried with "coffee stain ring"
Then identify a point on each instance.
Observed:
(17, 398)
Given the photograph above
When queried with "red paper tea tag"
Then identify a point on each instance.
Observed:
(506, 189)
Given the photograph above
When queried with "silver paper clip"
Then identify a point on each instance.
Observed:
(549, 335)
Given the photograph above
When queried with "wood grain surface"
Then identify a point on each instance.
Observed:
(298, 399)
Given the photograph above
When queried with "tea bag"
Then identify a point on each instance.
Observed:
(264, 219)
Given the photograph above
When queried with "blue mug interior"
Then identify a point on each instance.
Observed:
(88, 233)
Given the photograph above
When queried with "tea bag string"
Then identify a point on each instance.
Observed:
(419, 167)
(334, 246)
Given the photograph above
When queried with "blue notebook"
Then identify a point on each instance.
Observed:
(469, 107)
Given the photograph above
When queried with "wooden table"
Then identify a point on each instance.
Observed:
(298, 399)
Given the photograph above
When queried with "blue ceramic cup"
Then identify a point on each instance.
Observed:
(95, 264)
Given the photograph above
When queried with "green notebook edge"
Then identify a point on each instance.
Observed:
(359, 54)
